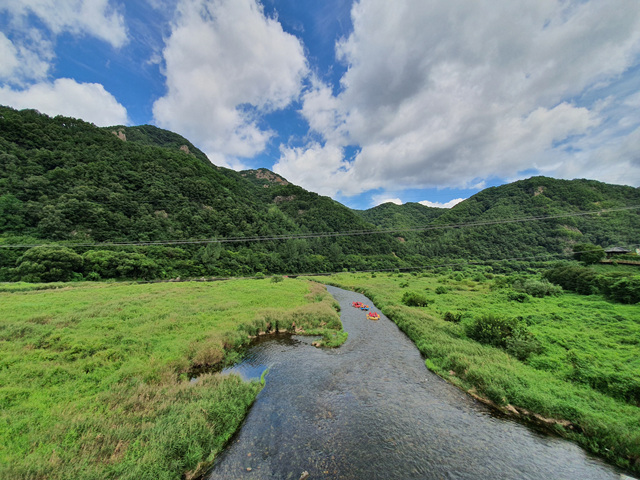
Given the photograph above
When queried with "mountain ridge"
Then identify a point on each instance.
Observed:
(66, 180)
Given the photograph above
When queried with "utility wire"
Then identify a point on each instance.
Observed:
(542, 257)
(348, 233)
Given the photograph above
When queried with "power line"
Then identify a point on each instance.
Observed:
(542, 257)
(348, 233)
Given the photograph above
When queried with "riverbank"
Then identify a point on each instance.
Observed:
(581, 339)
(96, 376)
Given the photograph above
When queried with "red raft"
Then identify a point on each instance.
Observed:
(357, 304)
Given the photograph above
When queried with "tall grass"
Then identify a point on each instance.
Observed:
(584, 375)
(95, 382)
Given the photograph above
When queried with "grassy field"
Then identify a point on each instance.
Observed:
(581, 379)
(95, 377)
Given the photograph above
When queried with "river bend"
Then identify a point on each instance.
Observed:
(372, 410)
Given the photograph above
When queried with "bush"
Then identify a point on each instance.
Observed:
(626, 290)
(277, 279)
(521, 297)
(510, 334)
(523, 345)
(118, 264)
(452, 317)
(48, 264)
(537, 288)
(588, 253)
(619, 287)
(492, 330)
(441, 290)
(413, 299)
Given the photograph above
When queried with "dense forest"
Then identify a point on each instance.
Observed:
(478, 229)
(82, 190)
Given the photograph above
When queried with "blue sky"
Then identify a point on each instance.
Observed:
(367, 101)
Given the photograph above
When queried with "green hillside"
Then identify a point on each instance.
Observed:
(482, 226)
(67, 181)
(408, 215)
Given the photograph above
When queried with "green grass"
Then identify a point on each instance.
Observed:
(94, 378)
(586, 372)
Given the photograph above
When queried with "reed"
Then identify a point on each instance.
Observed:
(95, 377)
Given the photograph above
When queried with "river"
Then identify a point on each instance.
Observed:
(372, 410)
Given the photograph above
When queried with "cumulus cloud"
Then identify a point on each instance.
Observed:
(449, 204)
(227, 64)
(323, 167)
(9, 61)
(27, 53)
(88, 101)
(450, 93)
(78, 17)
(26, 59)
(380, 199)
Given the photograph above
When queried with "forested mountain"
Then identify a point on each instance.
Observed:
(408, 215)
(566, 203)
(67, 181)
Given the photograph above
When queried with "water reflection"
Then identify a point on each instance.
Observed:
(371, 409)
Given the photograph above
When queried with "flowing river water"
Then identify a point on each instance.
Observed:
(371, 410)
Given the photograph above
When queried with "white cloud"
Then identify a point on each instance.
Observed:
(27, 59)
(9, 61)
(322, 167)
(380, 199)
(450, 93)
(449, 204)
(88, 101)
(27, 46)
(27, 52)
(220, 160)
(226, 65)
(78, 17)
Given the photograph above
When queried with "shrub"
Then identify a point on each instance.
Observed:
(619, 287)
(521, 297)
(48, 264)
(522, 345)
(93, 276)
(492, 329)
(441, 289)
(452, 317)
(508, 333)
(413, 299)
(588, 253)
(277, 279)
(259, 276)
(537, 288)
(626, 290)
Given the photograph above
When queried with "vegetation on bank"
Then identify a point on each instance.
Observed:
(95, 377)
(566, 361)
